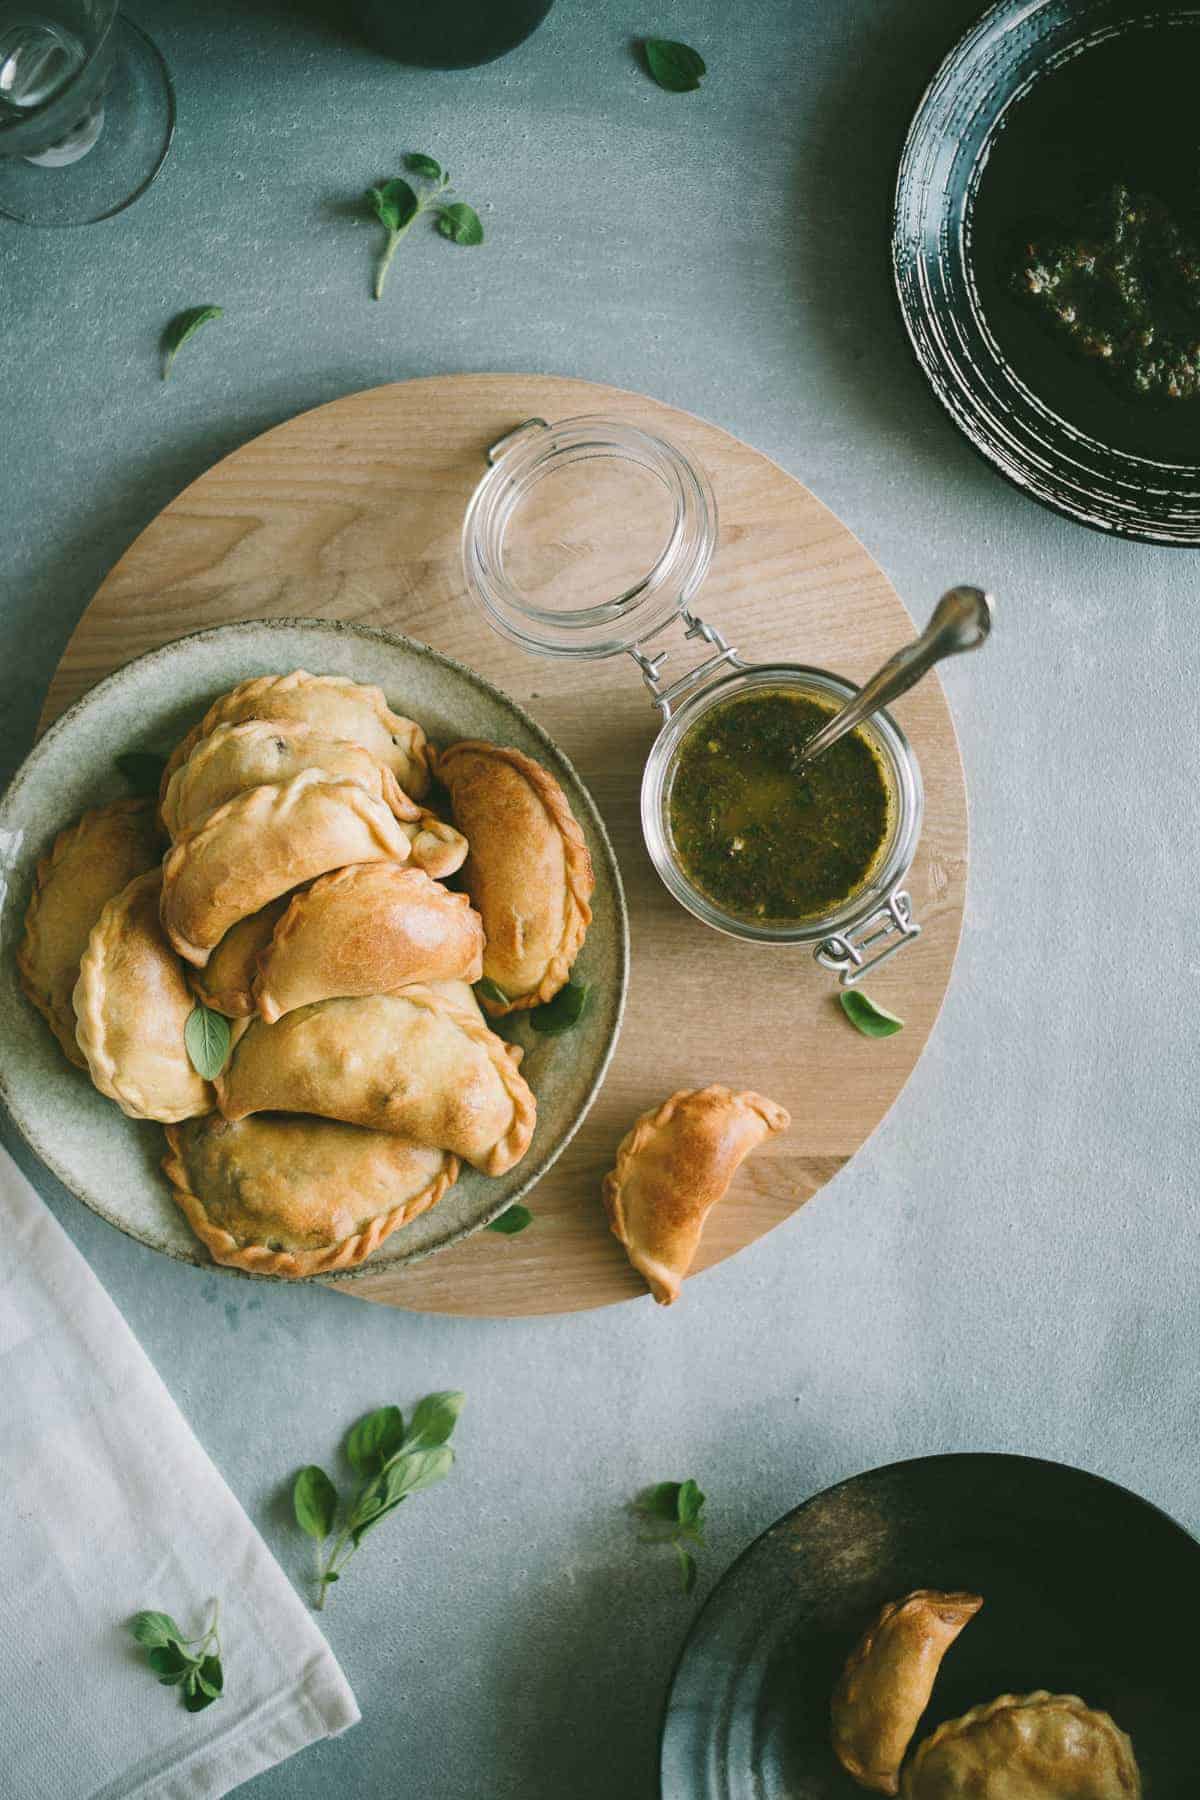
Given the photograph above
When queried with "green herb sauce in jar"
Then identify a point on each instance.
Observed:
(760, 833)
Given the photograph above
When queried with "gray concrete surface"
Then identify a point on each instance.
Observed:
(1011, 1262)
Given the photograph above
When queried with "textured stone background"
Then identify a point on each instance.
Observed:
(1011, 1262)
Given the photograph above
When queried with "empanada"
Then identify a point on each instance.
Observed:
(337, 707)
(132, 1002)
(527, 871)
(233, 758)
(368, 929)
(262, 844)
(296, 1196)
(89, 862)
(1025, 1747)
(887, 1681)
(420, 1063)
(673, 1167)
(226, 982)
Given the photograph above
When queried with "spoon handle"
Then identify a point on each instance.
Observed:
(961, 621)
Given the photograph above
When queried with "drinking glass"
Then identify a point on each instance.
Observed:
(87, 111)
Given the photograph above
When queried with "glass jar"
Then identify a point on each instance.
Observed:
(642, 580)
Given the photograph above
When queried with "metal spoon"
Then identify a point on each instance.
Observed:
(961, 621)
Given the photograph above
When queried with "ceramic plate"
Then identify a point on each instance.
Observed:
(1033, 117)
(111, 1162)
(1087, 1590)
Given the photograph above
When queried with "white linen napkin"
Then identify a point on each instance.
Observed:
(108, 1505)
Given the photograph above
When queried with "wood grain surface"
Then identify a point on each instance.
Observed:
(354, 512)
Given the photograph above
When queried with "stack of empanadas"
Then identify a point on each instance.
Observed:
(292, 880)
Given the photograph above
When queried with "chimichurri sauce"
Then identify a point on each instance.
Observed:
(764, 836)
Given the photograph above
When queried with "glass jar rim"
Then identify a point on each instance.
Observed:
(904, 777)
(519, 462)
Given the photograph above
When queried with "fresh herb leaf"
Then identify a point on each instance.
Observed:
(460, 223)
(375, 1438)
(490, 990)
(674, 1512)
(183, 326)
(676, 67)
(434, 1420)
(314, 1500)
(142, 769)
(193, 1666)
(564, 1011)
(687, 1567)
(515, 1220)
(867, 1016)
(394, 1464)
(206, 1037)
(689, 1504)
(397, 205)
(152, 1629)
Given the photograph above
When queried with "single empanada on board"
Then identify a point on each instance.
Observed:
(226, 982)
(527, 871)
(262, 844)
(420, 1063)
(367, 929)
(888, 1678)
(90, 862)
(233, 758)
(1037, 1746)
(132, 1002)
(336, 706)
(672, 1169)
(296, 1196)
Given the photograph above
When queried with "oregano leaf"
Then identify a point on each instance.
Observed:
(412, 1472)
(867, 1016)
(434, 1420)
(460, 223)
(314, 1501)
(153, 1629)
(420, 164)
(564, 1011)
(376, 1437)
(206, 1037)
(183, 326)
(687, 1568)
(512, 1221)
(488, 989)
(676, 67)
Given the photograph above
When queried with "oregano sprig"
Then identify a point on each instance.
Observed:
(397, 204)
(193, 1665)
(392, 1462)
(672, 1512)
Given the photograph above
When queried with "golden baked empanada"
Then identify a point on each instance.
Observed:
(368, 929)
(527, 871)
(435, 846)
(132, 1002)
(233, 758)
(226, 982)
(262, 844)
(89, 863)
(294, 1196)
(673, 1167)
(1025, 1747)
(335, 706)
(420, 1064)
(888, 1678)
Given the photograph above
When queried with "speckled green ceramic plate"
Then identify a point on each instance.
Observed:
(111, 1162)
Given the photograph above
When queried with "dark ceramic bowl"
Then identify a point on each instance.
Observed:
(1087, 1590)
(1035, 113)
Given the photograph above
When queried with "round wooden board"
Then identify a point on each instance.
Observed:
(354, 512)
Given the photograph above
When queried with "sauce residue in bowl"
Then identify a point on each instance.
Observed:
(763, 835)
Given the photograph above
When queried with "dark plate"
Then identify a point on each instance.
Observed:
(1087, 1590)
(1032, 116)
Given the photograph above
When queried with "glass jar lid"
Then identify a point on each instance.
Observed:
(586, 537)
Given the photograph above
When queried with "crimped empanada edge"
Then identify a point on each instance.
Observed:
(295, 1265)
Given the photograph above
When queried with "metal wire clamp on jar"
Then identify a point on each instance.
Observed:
(877, 919)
